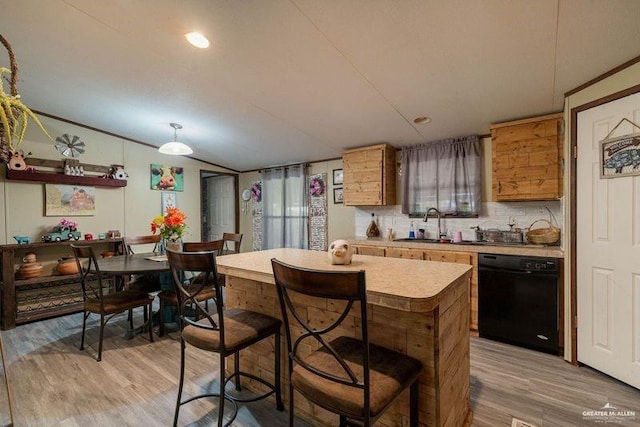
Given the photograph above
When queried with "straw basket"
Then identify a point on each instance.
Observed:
(543, 236)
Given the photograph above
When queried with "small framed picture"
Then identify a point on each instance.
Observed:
(337, 177)
(169, 200)
(338, 195)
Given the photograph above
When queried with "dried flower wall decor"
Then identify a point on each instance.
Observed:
(14, 115)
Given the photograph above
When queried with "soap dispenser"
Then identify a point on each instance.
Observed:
(373, 230)
(412, 231)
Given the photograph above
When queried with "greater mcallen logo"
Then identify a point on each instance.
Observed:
(608, 414)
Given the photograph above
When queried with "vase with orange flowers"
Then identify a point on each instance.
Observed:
(171, 227)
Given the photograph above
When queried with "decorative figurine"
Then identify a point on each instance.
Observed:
(22, 240)
(340, 252)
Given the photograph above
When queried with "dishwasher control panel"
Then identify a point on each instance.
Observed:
(518, 262)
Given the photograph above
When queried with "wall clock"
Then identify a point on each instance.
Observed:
(69, 145)
(246, 195)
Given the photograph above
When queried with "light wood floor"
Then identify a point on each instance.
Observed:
(55, 384)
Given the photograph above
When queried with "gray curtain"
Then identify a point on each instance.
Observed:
(444, 174)
(285, 218)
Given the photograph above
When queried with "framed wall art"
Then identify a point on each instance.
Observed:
(620, 156)
(169, 199)
(167, 178)
(337, 177)
(69, 200)
(338, 195)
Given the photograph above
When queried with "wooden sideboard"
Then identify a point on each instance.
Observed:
(48, 295)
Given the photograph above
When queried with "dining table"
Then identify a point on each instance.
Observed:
(145, 263)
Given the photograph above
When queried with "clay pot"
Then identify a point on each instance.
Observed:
(29, 257)
(67, 265)
(29, 270)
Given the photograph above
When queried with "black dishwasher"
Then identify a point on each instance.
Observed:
(518, 300)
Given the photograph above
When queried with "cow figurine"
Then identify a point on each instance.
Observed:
(22, 240)
(118, 172)
(17, 161)
(167, 177)
(340, 252)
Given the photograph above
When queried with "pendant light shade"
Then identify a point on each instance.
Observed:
(174, 147)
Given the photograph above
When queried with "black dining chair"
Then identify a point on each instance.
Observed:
(169, 297)
(348, 376)
(226, 332)
(99, 300)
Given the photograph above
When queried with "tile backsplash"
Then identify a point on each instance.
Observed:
(492, 215)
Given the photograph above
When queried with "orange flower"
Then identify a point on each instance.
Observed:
(171, 226)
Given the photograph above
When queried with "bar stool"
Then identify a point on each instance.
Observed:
(169, 297)
(226, 332)
(338, 376)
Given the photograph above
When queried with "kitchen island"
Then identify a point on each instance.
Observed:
(415, 307)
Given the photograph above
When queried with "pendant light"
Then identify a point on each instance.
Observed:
(174, 147)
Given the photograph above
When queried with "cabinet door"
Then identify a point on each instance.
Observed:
(526, 159)
(405, 253)
(370, 176)
(369, 250)
(363, 177)
(448, 256)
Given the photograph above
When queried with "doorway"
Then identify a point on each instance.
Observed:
(219, 204)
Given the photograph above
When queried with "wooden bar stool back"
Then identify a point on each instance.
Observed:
(226, 332)
(98, 299)
(169, 297)
(339, 375)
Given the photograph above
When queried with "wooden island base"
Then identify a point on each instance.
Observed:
(437, 335)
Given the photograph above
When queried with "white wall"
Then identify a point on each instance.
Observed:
(128, 209)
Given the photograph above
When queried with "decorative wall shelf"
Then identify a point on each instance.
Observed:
(60, 178)
(57, 176)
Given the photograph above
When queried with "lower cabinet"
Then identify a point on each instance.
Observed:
(470, 258)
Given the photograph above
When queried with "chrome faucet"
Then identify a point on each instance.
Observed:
(426, 217)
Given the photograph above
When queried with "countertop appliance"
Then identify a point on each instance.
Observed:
(518, 300)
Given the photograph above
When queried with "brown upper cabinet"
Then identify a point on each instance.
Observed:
(369, 176)
(527, 158)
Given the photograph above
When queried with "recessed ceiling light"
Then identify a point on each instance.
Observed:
(423, 120)
(197, 39)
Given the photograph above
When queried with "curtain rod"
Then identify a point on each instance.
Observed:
(284, 167)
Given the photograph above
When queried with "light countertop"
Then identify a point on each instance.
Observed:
(492, 248)
(403, 284)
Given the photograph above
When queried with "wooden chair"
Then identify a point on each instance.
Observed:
(130, 241)
(148, 283)
(235, 238)
(225, 333)
(169, 297)
(98, 300)
(347, 376)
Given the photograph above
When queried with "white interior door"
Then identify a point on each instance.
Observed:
(221, 206)
(608, 249)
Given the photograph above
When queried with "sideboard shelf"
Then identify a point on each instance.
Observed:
(26, 300)
(59, 178)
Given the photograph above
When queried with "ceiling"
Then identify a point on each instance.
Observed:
(288, 81)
